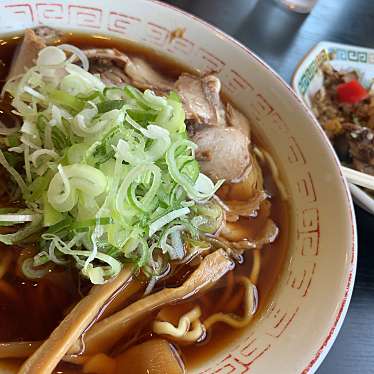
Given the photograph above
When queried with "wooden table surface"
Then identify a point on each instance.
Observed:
(282, 38)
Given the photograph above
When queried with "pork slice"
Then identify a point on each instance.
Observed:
(116, 68)
(26, 53)
(110, 74)
(238, 239)
(201, 99)
(212, 88)
(223, 153)
(110, 64)
(238, 120)
(196, 105)
(247, 208)
(48, 35)
(143, 76)
(107, 56)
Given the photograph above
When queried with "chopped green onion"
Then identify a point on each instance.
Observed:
(90, 96)
(92, 222)
(68, 101)
(109, 105)
(17, 218)
(111, 175)
(167, 218)
(29, 270)
(23, 233)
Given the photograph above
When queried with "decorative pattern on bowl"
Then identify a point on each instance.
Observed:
(308, 305)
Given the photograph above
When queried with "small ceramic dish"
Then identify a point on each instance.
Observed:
(307, 80)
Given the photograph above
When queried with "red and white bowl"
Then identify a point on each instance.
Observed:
(306, 309)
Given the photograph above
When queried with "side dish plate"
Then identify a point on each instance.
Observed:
(307, 80)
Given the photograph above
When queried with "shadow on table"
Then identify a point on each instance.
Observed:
(228, 14)
(273, 26)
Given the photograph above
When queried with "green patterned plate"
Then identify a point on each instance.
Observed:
(307, 80)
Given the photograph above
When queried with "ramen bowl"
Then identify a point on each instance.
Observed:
(315, 283)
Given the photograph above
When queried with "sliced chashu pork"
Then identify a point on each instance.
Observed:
(116, 68)
(144, 76)
(238, 120)
(200, 96)
(222, 136)
(201, 99)
(223, 153)
(48, 35)
(110, 64)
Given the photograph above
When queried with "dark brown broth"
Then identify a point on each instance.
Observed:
(30, 310)
(21, 321)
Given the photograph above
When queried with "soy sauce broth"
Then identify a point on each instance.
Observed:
(30, 310)
(14, 318)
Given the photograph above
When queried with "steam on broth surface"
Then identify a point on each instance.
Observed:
(198, 269)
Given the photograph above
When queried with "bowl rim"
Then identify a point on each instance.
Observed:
(314, 362)
(333, 330)
(363, 199)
